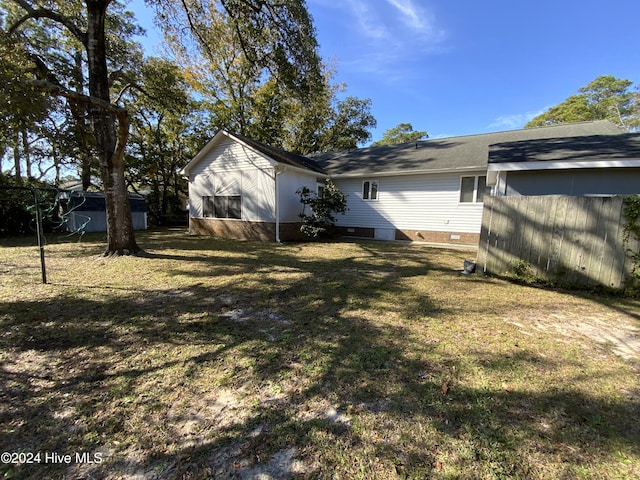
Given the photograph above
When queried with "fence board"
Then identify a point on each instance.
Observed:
(569, 239)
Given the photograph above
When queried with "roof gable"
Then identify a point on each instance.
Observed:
(274, 154)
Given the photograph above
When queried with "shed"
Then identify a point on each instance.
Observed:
(86, 211)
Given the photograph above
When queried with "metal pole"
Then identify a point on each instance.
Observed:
(39, 234)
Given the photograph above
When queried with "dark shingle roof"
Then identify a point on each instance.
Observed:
(453, 153)
(592, 147)
(282, 156)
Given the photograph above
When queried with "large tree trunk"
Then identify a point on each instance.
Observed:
(109, 144)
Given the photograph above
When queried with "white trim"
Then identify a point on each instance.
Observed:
(369, 199)
(562, 165)
(476, 184)
(277, 171)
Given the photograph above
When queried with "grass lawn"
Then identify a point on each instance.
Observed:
(210, 358)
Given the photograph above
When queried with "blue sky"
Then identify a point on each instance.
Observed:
(457, 67)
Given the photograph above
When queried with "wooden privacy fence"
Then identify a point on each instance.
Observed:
(576, 240)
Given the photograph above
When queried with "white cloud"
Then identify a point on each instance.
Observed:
(418, 19)
(368, 21)
(384, 38)
(412, 16)
(516, 120)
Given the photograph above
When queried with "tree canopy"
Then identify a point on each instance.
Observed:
(76, 88)
(401, 133)
(605, 98)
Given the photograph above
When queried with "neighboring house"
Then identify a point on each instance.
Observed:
(240, 188)
(430, 190)
(86, 211)
(597, 165)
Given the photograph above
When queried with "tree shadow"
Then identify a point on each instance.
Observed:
(311, 353)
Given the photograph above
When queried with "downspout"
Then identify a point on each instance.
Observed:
(278, 170)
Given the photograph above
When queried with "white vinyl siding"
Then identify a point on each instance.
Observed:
(229, 155)
(289, 202)
(413, 202)
(231, 169)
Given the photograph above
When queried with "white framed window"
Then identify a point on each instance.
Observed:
(473, 189)
(370, 190)
(222, 206)
(320, 190)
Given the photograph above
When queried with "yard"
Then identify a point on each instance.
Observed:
(212, 358)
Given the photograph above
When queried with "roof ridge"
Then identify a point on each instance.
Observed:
(540, 127)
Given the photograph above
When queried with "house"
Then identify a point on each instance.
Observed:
(430, 190)
(595, 165)
(243, 189)
(86, 211)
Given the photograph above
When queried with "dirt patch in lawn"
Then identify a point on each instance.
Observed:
(616, 333)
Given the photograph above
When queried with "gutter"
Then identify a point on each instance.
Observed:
(278, 170)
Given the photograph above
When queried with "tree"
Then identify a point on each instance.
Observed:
(164, 137)
(605, 98)
(303, 116)
(322, 209)
(401, 133)
(87, 24)
(275, 36)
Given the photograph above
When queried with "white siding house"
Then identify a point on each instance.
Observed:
(239, 188)
(429, 191)
(411, 207)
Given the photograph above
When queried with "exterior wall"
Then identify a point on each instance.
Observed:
(289, 204)
(232, 169)
(460, 238)
(92, 221)
(610, 181)
(242, 230)
(423, 207)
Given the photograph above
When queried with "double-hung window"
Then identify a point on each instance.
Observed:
(222, 206)
(473, 189)
(370, 190)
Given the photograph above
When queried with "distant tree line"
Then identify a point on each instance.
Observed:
(605, 98)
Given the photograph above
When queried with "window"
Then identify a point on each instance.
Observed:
(207, 207)
(370, 190)
(222, 206)
(320, 190)
(474, 189)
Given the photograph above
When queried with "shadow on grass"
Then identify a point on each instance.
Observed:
(325, 360)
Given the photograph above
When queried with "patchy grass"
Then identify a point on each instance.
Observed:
(213, 358)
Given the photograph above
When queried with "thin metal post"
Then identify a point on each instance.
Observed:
(39, 234)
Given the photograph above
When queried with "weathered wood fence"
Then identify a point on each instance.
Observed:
(575, 240)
